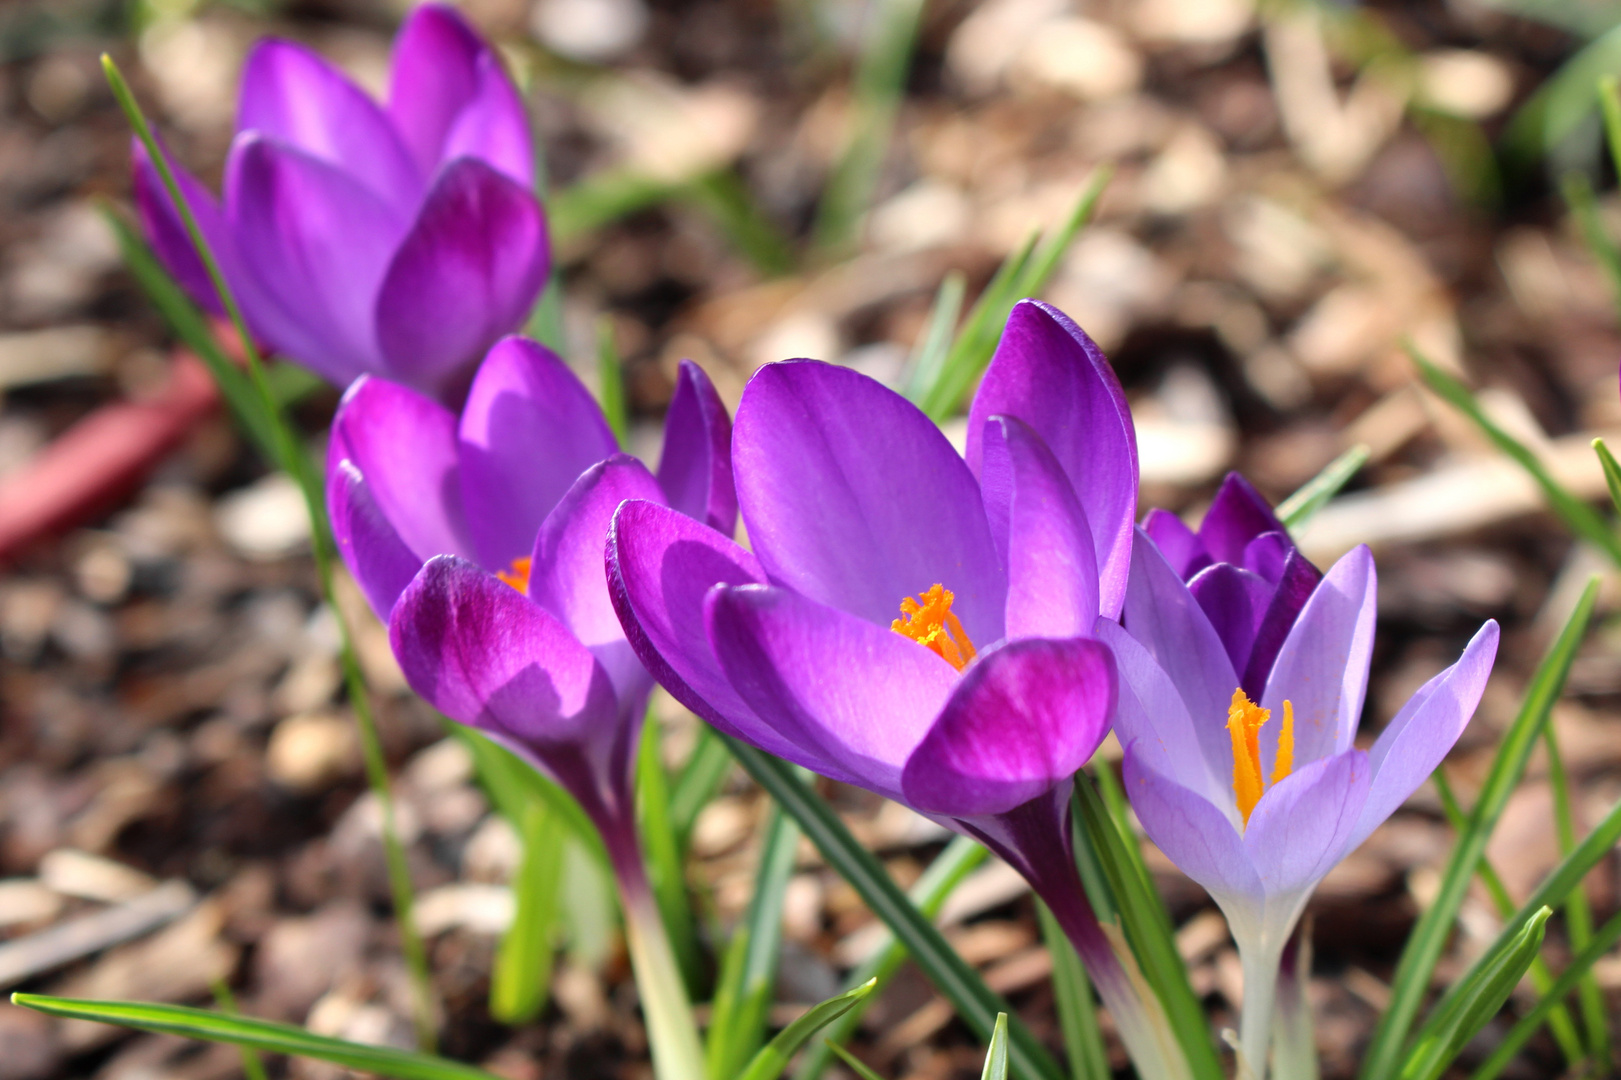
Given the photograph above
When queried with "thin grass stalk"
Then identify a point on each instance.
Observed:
(1578, 913)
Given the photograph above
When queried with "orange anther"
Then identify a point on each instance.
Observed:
(517, 575)
(929, 621)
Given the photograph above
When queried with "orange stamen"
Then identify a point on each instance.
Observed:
(929, 621)
(517, 575)
(1284, 763)
(1244, 722)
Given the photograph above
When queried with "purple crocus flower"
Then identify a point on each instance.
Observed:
(1258, 799)
(910, 622)
(1244, 570)
(400, 239)
(479, 539)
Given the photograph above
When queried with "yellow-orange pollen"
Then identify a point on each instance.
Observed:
(929, 622)
(517, 575)
(1244, 722)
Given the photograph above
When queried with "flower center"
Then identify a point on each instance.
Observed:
(929, 622)
(1244, 722)
(517, 575)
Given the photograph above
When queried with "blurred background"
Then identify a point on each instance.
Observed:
(1298, 188)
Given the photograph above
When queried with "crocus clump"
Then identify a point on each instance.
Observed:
(1258, 797)
(911, 622)
(399, 239)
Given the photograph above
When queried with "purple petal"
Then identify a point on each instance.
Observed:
(855, 499)
(484, 654)
(566, 573)
(1295, 583)
(1267, 555)
(1235, 601)
(1323, 665)
(1192, 833)
(166, 231)
(1237, 515)
(1049, 374)
(380, 561)
(404, 444)
(1425, 729)
(1179, 544)
(695, 469)
(1041, 533)
(467, 272)
(1162, 614)
(1024, 717)
(293, 96)
(852, 698)
(528, 431)
(448, 97)
(1299, 829)
(661, 566)
(316, 243)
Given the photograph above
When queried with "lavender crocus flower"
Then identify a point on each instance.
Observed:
(399, 239)
(910, 622)
(1258, 799)
(479, 539)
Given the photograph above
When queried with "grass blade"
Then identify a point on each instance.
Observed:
(1578, 914)
(1435, 925)
(773, 1057)
(996, 1053)
(702, 775)
(523, 961)
(1578, 193)
(512, 783)
(262, 1035)
(1612, 471)
(1299, 508)
(665, 866)
(1609, 100)
(850, 1060)
(723, 197)
(929, 352)
(1077, 1011)
(611, 380)
(1582, 518)
(253, 1066)
(951, 975)
(1562, 102)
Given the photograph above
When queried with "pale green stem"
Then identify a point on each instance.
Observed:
(1260, 995)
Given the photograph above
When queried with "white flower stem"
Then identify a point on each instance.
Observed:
(1260, 994)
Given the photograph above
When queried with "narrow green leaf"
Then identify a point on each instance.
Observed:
(253, 1066)
(959, 983)
(743, 997)
(1612, 471)
(600, 200)
(1578, 193)
(1609, 100)
(545, 322)
(1578, 914)
(930, 349)
(1429, 936)
(773, 1057)
(665, 866)
(512, 782)
(611, 380)
(261, 1035)
(1582, 518)
(996, 1053)
(1044, 262)
(1481, 993)
(1077, 1012)
(523, 961)
(722, 195)
(701, 776)
(1300, 507)
(851, 1060)
(1580, 967)
(1562, 102)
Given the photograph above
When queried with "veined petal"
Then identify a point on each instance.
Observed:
(528, 430)
(1023, 718)
(1427, 727)
(661, 566)
(1322, 668)
(1041, 533)
(1295, 582)
(484, 654)
(1237, 515)
(372, 550)
(1179, 544)
(566, 574)
(295, 97)
(1049, 374)
(404, 444)
(1236, 602)
(1300, 827)
(695, 469)
(448, 97)
(853, 699)
(316, 242)
(1192, 833)
(853, 498)
(467, 272)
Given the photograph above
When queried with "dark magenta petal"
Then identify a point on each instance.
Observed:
(1300, 827)
(404, 444)
(380, 561)
(449, 97)
(661, 567)
(1235, 601)
(293, 96)
(468, 271)
(1237, 515)
(316, 243)
(695, 469)
(1023, 718)
(1192, 833)
(1267, 555)
(528, 431)
(852, 698)
(166, 231)
(1294, 587)
(853, 498)
(1179, 544)
(1041, 533)
(567, 576)
(1049, 374)
(486, 655)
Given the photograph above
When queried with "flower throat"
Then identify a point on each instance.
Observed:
(929, 621)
